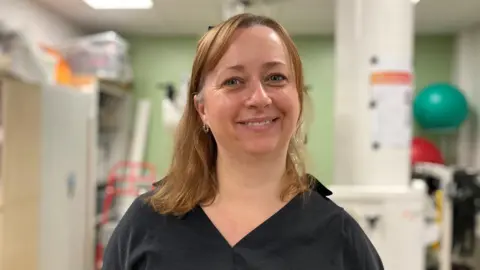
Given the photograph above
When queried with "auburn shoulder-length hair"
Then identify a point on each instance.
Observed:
(191, 178)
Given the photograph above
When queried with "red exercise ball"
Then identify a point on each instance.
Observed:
(425, 151)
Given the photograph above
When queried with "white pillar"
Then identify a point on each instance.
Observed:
(467, 61)
(372, 36)
(344, 171)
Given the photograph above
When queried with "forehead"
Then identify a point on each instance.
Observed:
(254, 45)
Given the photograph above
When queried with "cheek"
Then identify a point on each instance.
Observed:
(220, 110)
(296, 106)
(289, 103)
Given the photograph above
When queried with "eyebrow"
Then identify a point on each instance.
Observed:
(270, 64)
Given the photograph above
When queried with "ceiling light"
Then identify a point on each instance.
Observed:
(120, 4)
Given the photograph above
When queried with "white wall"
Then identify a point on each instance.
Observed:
(36, 22)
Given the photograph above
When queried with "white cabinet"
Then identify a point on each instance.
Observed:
(65, 180)
(49, 170)
(82, 139)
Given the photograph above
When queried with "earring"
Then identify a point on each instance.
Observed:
(205, 128)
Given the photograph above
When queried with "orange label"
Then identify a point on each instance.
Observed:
(391, 78)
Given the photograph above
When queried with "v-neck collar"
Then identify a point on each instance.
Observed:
(271, 226)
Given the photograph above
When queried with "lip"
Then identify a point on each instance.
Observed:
(259, 119)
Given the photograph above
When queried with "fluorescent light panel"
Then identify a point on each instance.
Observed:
(120, 4)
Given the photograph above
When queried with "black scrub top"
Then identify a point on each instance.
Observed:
(309, 233)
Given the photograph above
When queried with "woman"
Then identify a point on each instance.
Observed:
(237, 195)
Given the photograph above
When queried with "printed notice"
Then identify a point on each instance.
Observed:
(391, 92)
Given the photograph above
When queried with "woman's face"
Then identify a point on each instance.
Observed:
(250, 100)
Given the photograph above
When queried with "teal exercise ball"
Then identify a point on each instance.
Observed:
(440, 106)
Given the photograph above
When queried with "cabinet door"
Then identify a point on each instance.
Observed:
(22, 138)
(20, 181)
(65, 179)
(2, 262)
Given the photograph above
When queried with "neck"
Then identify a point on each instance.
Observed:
(249, 180)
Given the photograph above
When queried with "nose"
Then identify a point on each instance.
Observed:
(259, 97)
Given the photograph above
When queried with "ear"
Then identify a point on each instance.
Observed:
(200, 107)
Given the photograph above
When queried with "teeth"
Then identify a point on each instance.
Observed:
(259, 123)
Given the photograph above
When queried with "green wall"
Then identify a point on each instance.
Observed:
(169, 59)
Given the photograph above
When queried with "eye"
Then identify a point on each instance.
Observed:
(231, 82)
(276, 78)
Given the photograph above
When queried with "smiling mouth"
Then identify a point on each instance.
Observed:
(259, 123)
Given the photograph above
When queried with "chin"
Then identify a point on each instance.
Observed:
(261, 147)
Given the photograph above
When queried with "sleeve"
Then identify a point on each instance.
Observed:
(123, 249)
(359, 252)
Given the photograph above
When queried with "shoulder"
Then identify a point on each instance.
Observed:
(140, 215)
(131, 234)
(358, 250)
(316, 200)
